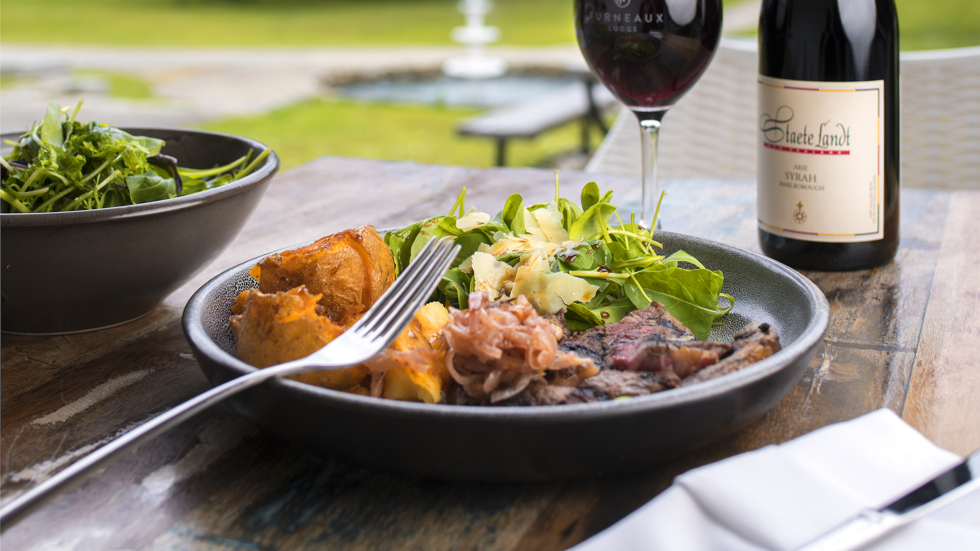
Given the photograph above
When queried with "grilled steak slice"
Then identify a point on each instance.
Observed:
(588, 344)
(659, 354)
(648, 351)
(756, 341)
(611, 383)
(603, 342)
(607, 385)
(649, 339)
(561, 326)
(539, 393)
(656, 315)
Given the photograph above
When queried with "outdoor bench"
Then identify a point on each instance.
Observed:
(526, 119)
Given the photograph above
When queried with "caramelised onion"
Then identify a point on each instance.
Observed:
(497, 348)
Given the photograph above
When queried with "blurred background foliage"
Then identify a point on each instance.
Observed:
(925, 24)
(332, 126)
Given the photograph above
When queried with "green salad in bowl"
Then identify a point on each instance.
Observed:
(101, 223)
(61, 165)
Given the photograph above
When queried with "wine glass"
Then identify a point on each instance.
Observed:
(648, 53)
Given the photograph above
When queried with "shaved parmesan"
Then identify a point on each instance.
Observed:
(471, 220)
(548, 222)
(491, 275)
(550, 293)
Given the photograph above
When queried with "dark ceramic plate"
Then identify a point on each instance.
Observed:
(75, 271)
(532, 443)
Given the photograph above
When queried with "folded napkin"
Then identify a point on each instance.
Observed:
(780, 497)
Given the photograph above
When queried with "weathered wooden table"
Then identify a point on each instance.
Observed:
(903, 337)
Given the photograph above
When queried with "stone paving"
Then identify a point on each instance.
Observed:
(191, 85)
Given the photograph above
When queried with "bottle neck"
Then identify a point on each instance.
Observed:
(828, 40)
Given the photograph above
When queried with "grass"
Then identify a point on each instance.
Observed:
(938, 24)
(426, 134)
(280, 23)
(121, 85)
(272, 22)
(925, 24)
(934, 24)
(7, 80)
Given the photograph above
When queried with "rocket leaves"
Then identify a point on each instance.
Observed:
(622, 261)
(513, 214)
(63, 165)
(150, 186)
(689, 295)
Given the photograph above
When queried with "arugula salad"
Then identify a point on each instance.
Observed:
(61, 164)
(566, 256)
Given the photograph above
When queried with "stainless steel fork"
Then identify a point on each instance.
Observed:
(371, 334)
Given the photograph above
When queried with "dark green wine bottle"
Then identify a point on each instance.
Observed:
(828, 133)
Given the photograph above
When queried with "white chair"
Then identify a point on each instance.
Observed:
(710, 133)
(941, 119)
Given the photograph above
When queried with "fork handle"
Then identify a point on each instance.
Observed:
(77, 472)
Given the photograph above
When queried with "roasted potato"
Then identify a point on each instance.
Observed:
(308, 296)
(414, 369)
(349, 270)
(432, 317)
(416, 375)
(411, 337)
(270, 329)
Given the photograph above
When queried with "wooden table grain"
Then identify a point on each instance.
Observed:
(902, 337)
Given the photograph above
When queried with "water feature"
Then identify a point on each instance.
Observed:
(472, 80)
(455, 92)
(475, 36)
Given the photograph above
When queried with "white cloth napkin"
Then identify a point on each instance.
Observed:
(780, 497)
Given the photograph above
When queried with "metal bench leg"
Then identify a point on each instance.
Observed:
(586, 147)
(594, 109)
(501, 151)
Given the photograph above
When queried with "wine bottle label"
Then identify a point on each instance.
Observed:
(821, 164)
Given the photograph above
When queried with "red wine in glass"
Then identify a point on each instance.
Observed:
(648, 53)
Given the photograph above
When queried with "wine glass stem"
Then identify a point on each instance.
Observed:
(649, 130)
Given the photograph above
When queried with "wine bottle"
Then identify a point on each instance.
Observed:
(828, 168)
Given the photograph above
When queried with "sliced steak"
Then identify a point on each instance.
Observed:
(539, 393)
(756, 341)
(588, 344)
(607, 385)
(656, 315)
(611, 384)
(658, 354)
(647, 351)
(649, 339)
(561, 326)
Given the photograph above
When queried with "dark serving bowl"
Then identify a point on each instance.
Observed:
(541, 442)
(73, 271)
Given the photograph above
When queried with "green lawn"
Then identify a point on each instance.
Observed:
(935, 24)
(925, 24)
(307, 130)
(10, 80)
(121, 85)
(938, 24)
(272, 22)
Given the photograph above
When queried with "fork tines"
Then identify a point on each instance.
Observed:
(412, 288)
